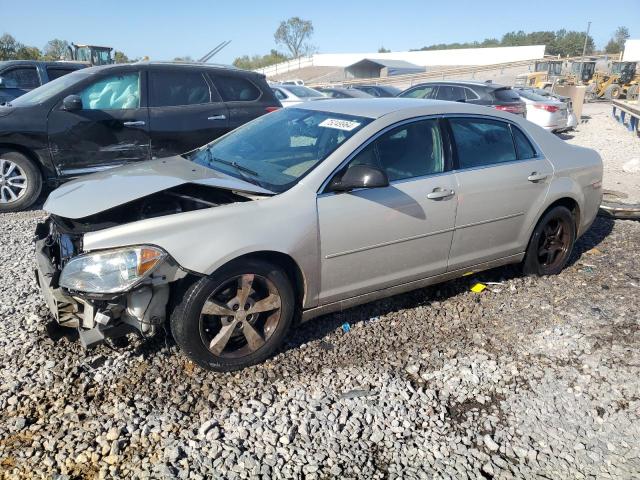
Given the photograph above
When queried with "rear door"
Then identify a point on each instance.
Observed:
(380, 237)
(185, 112)
(502, 181)
(244, 99)
(17, 81)
(450, 93)
(111, 128)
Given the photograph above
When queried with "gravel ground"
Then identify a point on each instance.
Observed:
(620, 150)
(532, 378)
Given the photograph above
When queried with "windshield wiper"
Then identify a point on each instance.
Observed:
(242, 170)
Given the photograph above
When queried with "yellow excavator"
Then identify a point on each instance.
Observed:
(91, 54)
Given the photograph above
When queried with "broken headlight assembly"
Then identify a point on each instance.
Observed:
(111, 271)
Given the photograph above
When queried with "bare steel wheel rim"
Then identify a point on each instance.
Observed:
(553, 246)
(13, 181)
(240, 316)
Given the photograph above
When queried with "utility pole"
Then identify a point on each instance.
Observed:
(584, 49)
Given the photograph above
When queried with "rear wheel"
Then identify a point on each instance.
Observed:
(20, 182)
(613, 92)
(551, 243)
(237, 317)
(632, 92)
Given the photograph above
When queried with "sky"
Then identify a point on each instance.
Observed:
(164, 29)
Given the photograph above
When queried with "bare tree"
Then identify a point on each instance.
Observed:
(56, 49)
(8, 47)
(293, 34)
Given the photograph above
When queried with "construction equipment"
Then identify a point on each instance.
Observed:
(620, 80)
(546, 73)
(581, 72)
(91, 54)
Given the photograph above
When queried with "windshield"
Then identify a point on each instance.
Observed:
(276, 150)
(303, 92)
(48, 90)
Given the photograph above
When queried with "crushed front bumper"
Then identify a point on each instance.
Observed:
(97, 317)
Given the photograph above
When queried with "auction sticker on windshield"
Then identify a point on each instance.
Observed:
(346, 125)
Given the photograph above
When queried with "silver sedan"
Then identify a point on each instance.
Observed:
(306, 211)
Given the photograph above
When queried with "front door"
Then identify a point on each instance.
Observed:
(184, 111)
(502, 184)
(375, 238)
(111, 128)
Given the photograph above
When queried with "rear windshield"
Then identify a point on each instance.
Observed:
(532, 96)
(506, 95)
(304, 92)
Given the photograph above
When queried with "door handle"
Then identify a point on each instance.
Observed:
(440, 193)
(137, 123)
(217, 117)
(536, 177)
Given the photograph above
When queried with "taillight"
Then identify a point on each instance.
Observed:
(544, 106)
(272, 109)
(517, 109)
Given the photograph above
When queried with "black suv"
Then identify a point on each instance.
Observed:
(480, 93)
(101, 117)
(17, 77)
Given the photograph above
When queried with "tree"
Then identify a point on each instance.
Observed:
(120, 57)
(293, 34)
(8, 47)
(616, 44)
(28, 53)
(260, 61)
(383, 50)
(56, 49)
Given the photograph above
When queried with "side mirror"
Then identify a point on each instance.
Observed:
(359, 176)
(72, 103)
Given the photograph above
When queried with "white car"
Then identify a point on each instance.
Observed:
(546, 112)
(290, 95)
(572, 119)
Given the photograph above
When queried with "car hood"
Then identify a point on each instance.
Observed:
(104, 190)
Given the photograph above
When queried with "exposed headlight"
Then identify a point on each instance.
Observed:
(110, 271)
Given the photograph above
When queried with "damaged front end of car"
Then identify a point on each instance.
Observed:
(103, 294)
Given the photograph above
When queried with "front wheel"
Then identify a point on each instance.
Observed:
(551, 243)
(237, 317)
(20, 182)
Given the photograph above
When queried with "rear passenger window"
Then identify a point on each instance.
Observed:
(450, 93)
(523, 145)
(53, 72)
(412, 150)
(170, 89)
(481, 142)
(471, 95)
(236, 89)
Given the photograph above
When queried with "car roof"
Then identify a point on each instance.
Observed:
(468, 83)
(176, 65)
(6, 63)
(378, 107)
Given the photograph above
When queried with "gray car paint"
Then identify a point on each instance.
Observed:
(303, 223)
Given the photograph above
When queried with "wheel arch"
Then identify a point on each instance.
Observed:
(27, 152)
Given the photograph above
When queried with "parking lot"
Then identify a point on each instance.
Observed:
(531, 377)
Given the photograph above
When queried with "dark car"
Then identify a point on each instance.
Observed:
(378, 90)
(18, 77)
(100, 117)
(480, 93)
(341, 92)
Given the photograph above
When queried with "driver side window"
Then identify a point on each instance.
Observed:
(409, 151)
(116, 92)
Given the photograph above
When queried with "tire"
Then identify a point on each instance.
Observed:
(203, 333)
(612, 92)
(547, 257)
(632, 92)
(15, 194)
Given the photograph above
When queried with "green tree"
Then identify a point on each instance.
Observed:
(383, 50)
(120, 57)
(260, 61)
(293, 34)
(28, 53)
(56, 49)
(8, 47)
(616, 44)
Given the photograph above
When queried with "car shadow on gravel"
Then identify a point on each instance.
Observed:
(601, 228)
